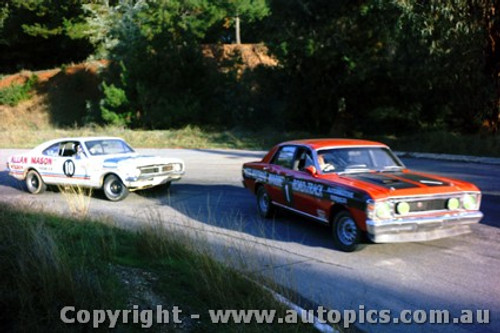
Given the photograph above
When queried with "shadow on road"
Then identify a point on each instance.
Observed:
(234, 208)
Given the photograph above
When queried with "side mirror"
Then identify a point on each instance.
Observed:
(311, 170)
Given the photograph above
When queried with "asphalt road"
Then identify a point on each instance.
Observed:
(211, 206)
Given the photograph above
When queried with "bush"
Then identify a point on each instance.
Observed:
(16, 93)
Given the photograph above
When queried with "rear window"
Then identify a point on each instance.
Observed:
(284, 157)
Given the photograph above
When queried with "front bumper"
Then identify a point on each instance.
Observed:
(143, 183)
(416, 229)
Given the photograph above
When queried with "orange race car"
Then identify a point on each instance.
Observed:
(357, 186)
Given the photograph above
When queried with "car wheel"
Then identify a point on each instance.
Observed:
(35, 183)
(346, 234)
(264, 205)
(114, 189)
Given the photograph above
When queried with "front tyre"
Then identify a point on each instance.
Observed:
(35, 183)
(264, 205)
(346, 234)
(114, 189)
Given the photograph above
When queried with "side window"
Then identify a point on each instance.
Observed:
(285, 156)
(69, 149)
(303, 159)
(52, 150)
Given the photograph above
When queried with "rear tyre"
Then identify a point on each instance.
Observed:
(264, 205)
(114, 189)
(346, 234)
(35, 183)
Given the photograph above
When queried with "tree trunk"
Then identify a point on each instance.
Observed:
(493, 60)
(238, 37)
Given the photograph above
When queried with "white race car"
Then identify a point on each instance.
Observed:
(97, 162)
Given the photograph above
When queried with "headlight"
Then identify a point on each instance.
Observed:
(134, 173)
(469, 201)
(383, 210)
(453, 204)
(177, 167)
(403, 208)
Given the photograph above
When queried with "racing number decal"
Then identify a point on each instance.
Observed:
(288, 191)
(69, 168)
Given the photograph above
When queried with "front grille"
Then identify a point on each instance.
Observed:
(159, 169)
(427, 205)
(149, 170)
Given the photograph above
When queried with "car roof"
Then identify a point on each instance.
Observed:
(317, 144)
(80, 138)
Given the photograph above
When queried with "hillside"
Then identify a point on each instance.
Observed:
(61, 95)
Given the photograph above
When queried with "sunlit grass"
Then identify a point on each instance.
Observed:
(48, 262)
(188, 137)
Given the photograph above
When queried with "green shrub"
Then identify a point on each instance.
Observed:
(16, 93)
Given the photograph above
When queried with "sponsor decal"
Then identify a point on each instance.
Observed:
(19, 159)
(16, 167)
(337, 191)
(337, 199)
(318, 190)
(255, 174)
(321, 213)
(41, 160)
(306, 187)
(275, 180)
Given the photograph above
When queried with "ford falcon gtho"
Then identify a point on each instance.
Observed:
(96, 162)
(357, 187)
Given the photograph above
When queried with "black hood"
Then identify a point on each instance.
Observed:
(397, 180)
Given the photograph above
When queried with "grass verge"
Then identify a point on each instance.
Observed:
(48, 262)
(188, 137)
(441, 142)
(197, 138)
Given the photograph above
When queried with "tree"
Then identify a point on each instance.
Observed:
(37, 34)
(158, 70)
(381, 67)
(247, 10)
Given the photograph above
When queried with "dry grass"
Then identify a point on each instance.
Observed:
(188, 137)
(77, 199)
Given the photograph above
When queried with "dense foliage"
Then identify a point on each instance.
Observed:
(345, 67)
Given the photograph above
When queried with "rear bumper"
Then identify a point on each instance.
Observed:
(418, 229)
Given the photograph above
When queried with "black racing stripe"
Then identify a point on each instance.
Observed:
(422, 179)
(383, 180)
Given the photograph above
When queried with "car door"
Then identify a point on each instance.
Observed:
(278, 181)
(307, 191)
(70, 166)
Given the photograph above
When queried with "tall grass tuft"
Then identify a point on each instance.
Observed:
(78, 199)
(43, 270)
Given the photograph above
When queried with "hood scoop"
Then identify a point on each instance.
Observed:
(384, 181)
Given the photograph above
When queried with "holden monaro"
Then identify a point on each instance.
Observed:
(96, 162)
(357, 187)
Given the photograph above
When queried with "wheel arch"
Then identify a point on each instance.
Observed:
(357, 216)
(105, 175)
(32, 168)
(334, 210)
(257, 186)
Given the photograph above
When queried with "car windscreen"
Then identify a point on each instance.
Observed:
(108, 147)
(357, 159)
